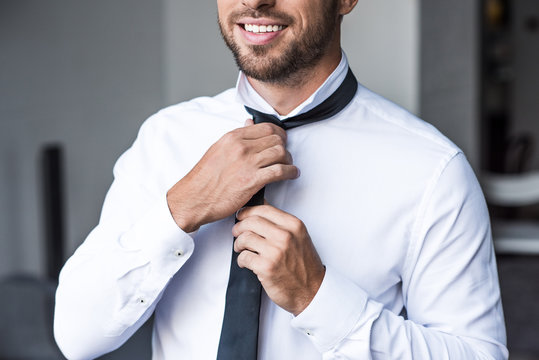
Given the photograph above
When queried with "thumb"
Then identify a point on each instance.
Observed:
(249, 122)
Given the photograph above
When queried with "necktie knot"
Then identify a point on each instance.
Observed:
(260, 117)
(326, 109)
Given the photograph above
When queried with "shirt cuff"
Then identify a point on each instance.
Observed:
(333, 313)
(162, 239)
(161, 248)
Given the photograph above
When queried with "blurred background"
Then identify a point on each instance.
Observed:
(77, 79)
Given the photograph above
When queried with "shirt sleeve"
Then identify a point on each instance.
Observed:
(450, 288)
(111, 284)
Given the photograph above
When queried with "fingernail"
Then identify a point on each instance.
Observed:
(299, 173)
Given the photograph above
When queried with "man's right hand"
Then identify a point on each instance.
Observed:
(232, 170)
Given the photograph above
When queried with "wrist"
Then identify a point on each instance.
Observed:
(312, 290)
(183, 217)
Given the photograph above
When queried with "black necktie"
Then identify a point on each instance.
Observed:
(239, 334)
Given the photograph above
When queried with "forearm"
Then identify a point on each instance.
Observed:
(112, 283)
(393, 337)
(343, 322)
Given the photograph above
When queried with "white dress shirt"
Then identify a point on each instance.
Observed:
(393, 209)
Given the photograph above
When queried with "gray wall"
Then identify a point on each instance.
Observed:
(86, 74)
(450, 71)
(380, 37)
(196, 61)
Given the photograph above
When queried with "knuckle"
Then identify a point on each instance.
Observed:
(278, 171)
(280, 151)
(277, 139)
(244, 259)
(268, 128)
(287, 238)
(239, 243)
(297, 226)
(230, 137)
(240, 148)
(241, 259)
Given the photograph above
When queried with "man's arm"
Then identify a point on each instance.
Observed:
(112, 283)
(450, 288)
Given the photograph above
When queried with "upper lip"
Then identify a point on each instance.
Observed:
(260, 21)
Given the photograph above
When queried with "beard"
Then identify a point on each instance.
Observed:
(290, 66)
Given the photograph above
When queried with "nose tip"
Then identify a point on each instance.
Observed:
(258, 4)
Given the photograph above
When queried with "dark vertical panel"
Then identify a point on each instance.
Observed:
(52, 172)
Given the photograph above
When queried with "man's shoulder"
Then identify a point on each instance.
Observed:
(204, 117)
(220, 108)
(220, 104)
(392, 122)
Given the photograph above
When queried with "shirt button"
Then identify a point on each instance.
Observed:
(309, 332)
(141, 300)
(178, 253)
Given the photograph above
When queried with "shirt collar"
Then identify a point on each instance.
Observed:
(247, 95)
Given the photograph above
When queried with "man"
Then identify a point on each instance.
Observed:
(379, 249)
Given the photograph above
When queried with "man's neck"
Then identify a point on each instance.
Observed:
(285, 97)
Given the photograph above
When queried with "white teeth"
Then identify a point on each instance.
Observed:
(262, 28)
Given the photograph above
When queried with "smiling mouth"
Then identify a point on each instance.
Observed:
(262, 29)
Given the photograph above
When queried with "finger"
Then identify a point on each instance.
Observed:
(252, 224)
(258, 225)
(266, 142)
(268, 212)
(260, 130)
(246, 241)
(248, 122)
(260, 265)
(252, 242)
(277, 172)
(249, 260)
(274, 155)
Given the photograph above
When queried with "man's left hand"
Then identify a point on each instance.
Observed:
(278, 249)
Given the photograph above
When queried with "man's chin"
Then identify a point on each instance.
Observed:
(258, 63)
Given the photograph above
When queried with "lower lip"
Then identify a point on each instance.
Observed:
(259, 38)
